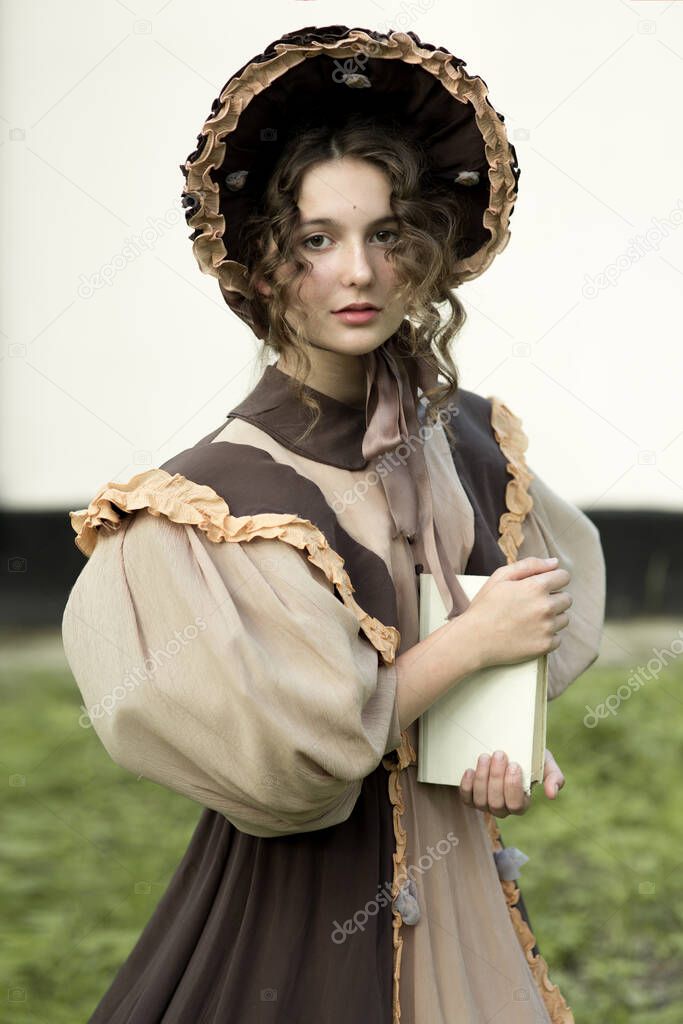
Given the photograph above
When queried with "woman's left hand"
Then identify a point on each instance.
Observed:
(495, 786)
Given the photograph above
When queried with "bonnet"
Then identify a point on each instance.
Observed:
(329, 73)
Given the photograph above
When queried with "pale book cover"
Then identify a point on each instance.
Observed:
(502, 707)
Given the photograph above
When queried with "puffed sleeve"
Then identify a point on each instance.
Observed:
(556, 527)
(229, 672)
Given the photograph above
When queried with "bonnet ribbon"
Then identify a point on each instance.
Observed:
(391, 417)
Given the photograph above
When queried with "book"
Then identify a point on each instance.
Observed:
(501, 707)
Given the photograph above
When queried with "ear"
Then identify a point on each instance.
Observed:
(263, 288)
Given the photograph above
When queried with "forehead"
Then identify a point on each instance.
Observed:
(343, 188)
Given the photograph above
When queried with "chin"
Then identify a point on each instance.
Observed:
(356, 340)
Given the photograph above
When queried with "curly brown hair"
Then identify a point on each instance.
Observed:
(424, 254)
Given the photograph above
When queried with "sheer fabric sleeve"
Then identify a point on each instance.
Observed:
(556, 527)
(229, 672)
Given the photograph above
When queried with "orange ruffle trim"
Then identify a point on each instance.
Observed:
(405, 755)
(209, 248)
(555, 1003)
(183, 501)
(513, 442)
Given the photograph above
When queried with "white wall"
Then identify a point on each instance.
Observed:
(102, 101)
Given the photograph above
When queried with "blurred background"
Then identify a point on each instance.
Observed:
(117, 353)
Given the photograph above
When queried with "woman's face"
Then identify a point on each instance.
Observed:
(346, 225)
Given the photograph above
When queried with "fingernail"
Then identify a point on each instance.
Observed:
(548, 561)
(514, 767)
(498, 756)
(557, 788)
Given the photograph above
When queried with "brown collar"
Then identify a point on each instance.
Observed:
(273, 406)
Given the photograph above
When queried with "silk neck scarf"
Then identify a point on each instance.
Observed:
(393, 426)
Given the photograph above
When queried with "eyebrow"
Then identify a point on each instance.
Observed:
(330, 222)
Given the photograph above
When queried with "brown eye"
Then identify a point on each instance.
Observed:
(310, 239)
(387, 231)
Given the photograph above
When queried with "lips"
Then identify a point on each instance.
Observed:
(356, 307)
(356, 316)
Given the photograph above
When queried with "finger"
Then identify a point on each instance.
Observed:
(553, 783)
(554, 580)
(515, 797)
(561, 621)
(496, 794)
(480, 789)
(466, 784)
(561, 601)
(526, 567)
(549, 763)
(525, 804)
(553, 776)
(551, 788)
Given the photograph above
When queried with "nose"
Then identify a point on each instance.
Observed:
(356, 266)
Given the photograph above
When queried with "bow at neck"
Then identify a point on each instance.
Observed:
(393, 426)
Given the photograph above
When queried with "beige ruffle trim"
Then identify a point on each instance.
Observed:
(513, 442)
(208, 246)
(405, 755)
(555, 1003)
(183, 501)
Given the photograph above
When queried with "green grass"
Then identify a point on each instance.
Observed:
(86, 851)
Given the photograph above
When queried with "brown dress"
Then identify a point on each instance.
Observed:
(234, 635)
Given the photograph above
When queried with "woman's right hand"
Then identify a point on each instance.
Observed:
(519, 610)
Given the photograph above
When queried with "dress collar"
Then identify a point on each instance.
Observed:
(337, 438)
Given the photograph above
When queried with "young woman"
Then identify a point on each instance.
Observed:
(245, 630)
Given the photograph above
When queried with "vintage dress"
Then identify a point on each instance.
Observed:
(274, 611)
